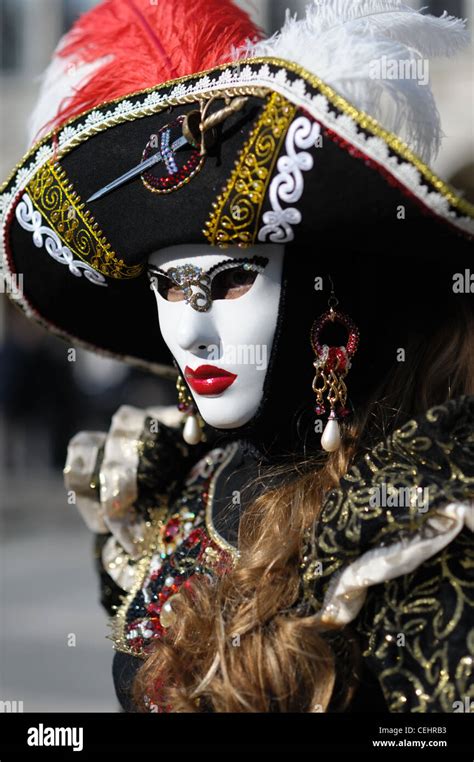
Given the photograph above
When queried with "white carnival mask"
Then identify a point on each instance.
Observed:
(218, 311)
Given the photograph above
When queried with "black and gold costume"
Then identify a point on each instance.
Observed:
(274, 147)
(400, 578)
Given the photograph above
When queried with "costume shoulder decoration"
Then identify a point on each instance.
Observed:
(393, 554)
(120, 482)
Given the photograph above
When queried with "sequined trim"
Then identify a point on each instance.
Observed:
(61, 206)
(196, 283)
(178, 172)
(237, 210)
(214, 534)
(118, 564)
(118, 623)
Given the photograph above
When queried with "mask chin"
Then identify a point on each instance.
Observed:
(232, 412)
(221, 341)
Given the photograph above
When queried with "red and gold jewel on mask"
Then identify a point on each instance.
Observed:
(332, 365)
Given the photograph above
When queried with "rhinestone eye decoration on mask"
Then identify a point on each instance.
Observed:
(196, 283)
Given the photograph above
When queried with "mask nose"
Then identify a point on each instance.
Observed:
(197, 332)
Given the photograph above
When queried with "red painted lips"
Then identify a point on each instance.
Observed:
(207, 379)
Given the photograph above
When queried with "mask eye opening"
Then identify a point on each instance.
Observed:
(232, 283)
(165, 286)
(233, 278)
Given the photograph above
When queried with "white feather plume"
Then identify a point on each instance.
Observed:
(339, 41)
(57, 84)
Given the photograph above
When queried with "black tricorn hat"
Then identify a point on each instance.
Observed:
(282, 158)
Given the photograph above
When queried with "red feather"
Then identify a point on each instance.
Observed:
(149, 42)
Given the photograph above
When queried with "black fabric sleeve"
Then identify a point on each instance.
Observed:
(419, 633)
(124, 670)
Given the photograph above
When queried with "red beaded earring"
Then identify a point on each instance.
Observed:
(332, 365)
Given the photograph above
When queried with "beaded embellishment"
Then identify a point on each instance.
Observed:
(184, 549)
(237, 210)
(176, 169)
(196, 283)
(60, 206)
(30, 219)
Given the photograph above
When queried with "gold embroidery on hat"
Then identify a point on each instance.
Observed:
(61, 206)
(236, 214)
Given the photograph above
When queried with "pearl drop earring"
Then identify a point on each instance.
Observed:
(193, 426)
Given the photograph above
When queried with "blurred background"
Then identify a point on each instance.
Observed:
(48, 587)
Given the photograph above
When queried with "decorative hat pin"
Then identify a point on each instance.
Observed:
(199, 131)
